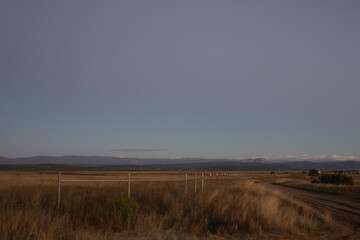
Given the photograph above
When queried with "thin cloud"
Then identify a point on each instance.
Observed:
(343, 158)
(318, 157)
(136, 150)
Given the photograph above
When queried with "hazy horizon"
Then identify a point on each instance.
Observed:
(289, 158)
(160, 79)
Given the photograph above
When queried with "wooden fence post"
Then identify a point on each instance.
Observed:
(185, 182)
(59, 183)
(129, 186)
(195, 183)
(202, 181)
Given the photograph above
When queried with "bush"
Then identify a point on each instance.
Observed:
(337, 179)
(313, 172)
(125, 207)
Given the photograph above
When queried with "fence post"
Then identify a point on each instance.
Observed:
(195, 183)
(185, 182)
(202, 181)
(129, 186)
(59, 183)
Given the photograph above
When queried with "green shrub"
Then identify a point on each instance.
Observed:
(337, 179)
(125, 207)
(313, 172)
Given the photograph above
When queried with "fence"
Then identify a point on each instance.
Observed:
(129, 181)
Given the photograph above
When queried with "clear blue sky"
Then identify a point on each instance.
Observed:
(179, 78)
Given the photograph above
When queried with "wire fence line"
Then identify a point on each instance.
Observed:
(129, 181)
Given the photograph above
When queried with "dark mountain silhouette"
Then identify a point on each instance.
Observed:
(117, 163)
(255, 160)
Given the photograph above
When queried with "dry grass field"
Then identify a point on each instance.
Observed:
(232, 207)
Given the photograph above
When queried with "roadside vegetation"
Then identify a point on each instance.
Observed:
(28, 210)
(333, 182)
(337, 179)
(314, 172)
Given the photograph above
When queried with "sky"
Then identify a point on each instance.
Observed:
(167, 79)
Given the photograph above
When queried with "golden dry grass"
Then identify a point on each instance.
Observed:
(28, 207)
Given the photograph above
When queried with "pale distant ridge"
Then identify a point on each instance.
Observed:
(104, 160)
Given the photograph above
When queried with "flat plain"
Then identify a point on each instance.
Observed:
(233, 205)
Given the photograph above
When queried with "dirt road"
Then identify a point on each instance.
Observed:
(343, 208)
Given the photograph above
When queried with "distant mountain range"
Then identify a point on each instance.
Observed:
(117, 163)
(101, 160)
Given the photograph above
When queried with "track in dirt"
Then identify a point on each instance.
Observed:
(341, 207)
